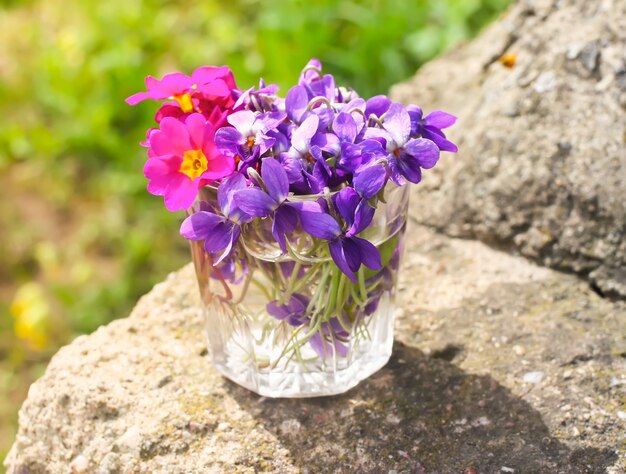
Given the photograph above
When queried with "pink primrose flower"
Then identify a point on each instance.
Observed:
(207, 88)
(182, 158)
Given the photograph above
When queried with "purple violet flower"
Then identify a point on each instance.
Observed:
(332, 339)
(320, 175)
(295, 169)
(338, 145)
(406, 156)
(354, 156)
(258, 203)
(322, 87)
(368, 180)
(345, 128)
(296, 103)
(247, 138)
(219, 232)
(347, 251)
(258, 99)
(301, 138)
(305, 154)
(297, 107)
(311, 71)
(431, 125)
(377, 106)
(356, 108)
(324, 147)
(294, 311)
(228, 269)
(316, 84)
(369, 177)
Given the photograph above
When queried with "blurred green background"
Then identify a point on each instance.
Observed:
(80, 239)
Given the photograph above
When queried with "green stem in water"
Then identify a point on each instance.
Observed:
(333, 290)
(294, 334)
(319, 291)
(342, 322)
(341, 299)
(262, 288)
(308, 276)
(244, 290)
(290, 282)
(361, 277)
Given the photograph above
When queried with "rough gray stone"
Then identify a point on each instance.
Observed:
(473, 323)
(542, 166)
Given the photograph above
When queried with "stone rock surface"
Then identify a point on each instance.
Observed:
(499, 366)
(542, 162)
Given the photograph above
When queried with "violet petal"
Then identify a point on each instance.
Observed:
(275, 179)
(346, 202)
(337, 253)
(255, 202)
(199, 225)
(425, 151)
(409, 167)
(301, 137)
(227, 187)
(228, 140)
(368, 181)
(263, 143)
(398, 123)
(352, 254)
(318, 345)
(285, 221)
(439, 138)
(242, 120)
(439, 119)
(377, 105)
(370, 256)
(319, 224)
(234, 236)
(363, 215)
(219, 238)
(344, 127)
(351, 156)
(296, 103)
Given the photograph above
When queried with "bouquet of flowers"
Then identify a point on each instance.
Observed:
(296, 208)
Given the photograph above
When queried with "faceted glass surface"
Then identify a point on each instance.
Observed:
(293, 325)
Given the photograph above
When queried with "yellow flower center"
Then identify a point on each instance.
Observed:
(184, 100)
(194, 163)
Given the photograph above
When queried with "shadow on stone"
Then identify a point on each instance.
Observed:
(419, 414)
(449, 352)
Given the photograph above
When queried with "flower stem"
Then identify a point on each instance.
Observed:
(361, 277)
(332, 298)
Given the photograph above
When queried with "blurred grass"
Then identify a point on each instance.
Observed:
(81, 240)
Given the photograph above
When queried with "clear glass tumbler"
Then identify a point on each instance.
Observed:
(293, 325)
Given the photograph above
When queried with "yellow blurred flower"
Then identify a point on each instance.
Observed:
(31, 312)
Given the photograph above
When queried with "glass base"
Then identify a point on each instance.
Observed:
(260, 363)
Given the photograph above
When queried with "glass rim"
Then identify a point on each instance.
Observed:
(389, 187)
